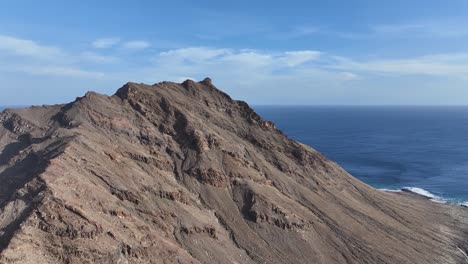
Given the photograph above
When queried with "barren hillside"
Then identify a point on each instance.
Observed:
(181, 173)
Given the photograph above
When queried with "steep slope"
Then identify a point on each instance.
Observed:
(181, 173)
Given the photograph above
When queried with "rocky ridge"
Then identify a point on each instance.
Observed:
(182, 173)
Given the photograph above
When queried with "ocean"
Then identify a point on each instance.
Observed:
(415, 148)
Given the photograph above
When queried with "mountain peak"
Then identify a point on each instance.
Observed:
(206, 81)
(184, 173)
(127, 90)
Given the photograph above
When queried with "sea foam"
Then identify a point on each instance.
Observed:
(421, 192)
(428, 195)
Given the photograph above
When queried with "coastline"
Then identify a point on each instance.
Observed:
(427, 195)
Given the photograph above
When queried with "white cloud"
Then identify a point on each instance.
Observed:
(259, 65)
(243, 58)
(193, 53)
(409, 30)
(97, 58)
(247, 59)
(349, 76)
(448, 65)
(28, 56)
(60, 71)
(136, 45)
(263, 75)
(295, 58)
(104, 43)
(243, 63)
(439, 29)
(28, 48)
(259, 74)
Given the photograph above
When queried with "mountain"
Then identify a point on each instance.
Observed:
(182, 173)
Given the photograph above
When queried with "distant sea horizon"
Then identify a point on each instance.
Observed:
(377, 105)
(417, 148)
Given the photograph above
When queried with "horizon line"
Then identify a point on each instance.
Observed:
(368, 105)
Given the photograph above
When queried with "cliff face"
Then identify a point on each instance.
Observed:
(181, 173)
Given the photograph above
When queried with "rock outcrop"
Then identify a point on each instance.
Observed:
(182, 173)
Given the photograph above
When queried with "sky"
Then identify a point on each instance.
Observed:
(356, 52)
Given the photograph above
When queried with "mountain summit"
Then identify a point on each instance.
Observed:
(182, 173)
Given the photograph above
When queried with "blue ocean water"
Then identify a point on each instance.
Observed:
(388, 147)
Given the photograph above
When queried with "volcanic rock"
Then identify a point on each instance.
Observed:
(182, 173)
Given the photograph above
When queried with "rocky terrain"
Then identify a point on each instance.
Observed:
(181, 173)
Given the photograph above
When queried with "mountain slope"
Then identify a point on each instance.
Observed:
(181, 173)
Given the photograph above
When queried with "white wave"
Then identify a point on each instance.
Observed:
(421, 192)
(390, 190)
(432, 197)
(439, 201)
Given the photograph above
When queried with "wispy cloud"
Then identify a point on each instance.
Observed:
(448, 65)
(89, 56)
(243, 58)
(297, 32)
(350, 76)
(260, 74)
(27, 48)
(432, 29)
(104, 43)
(295, 58)
(194, 61)
(408, 30)
(136, 45)
(306, 31)
(192, 54)
(60, 71)
(251, 70)
(306, 68)
(28, 56)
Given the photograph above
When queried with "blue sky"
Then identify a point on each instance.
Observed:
(265, 52)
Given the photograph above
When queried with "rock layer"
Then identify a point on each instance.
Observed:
(181, 173)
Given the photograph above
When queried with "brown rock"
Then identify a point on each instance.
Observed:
(181, 173)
